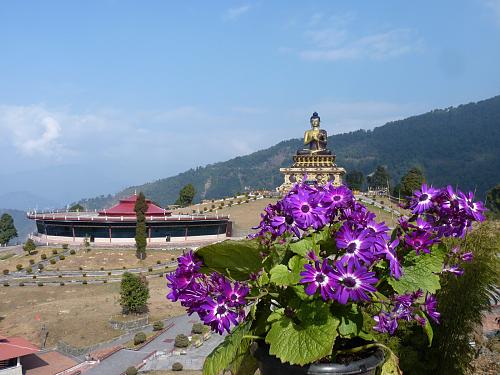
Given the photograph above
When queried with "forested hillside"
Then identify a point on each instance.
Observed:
(23, 225)
(457, 145)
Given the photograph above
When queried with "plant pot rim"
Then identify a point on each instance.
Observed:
(359, 366)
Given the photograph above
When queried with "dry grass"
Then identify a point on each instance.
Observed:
(24, 259)
(112, 259)
(78, 314)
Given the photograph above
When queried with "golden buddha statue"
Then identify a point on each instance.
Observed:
(315, 139)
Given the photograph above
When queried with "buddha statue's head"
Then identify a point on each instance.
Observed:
(315, 120)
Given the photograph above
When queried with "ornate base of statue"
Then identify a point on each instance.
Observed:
(315, 163)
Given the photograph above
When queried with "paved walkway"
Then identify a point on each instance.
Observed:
(118, 362)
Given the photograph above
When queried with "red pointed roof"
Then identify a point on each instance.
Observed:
(13, 347)
(126, 208)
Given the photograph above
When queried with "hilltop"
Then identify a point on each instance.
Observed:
(456, 145)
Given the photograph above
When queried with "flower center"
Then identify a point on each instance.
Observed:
(221, 310)
(234, 297)
(305, 208)
(336, 198)
(289, 220)
(320, 278)
(423, 197)
(351, 248)
(417, 243)
(349, 282)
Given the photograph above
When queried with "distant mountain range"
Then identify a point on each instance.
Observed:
(457, 145)
(24, 200)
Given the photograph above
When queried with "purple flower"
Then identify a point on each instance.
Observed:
(352, 283)
(357, 244)
(422, 200)
(454, 270)
(311, 255)
(388, 251)
(235, 295)
(430, 306)
(386, 323)
(336, 197)
(188, 262)
(218, 314)
(420, 241)
(377, 228)
(303, 207)
(474, 209)
(318, 277)
(467, 257)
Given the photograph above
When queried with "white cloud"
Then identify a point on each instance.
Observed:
(234, 13)
(494, 7)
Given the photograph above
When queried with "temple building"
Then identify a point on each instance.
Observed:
(117, 225)
(314, 162)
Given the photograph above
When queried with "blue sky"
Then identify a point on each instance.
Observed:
(98, 95)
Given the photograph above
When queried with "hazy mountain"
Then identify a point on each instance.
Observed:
(457, 145)
(24, 200)
(23, 225)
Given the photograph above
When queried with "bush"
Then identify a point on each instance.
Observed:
(84, 282)
(139, 338)
(177, 366)
(109, 273)
(181, 341)
(102, 268)
(40, 266)
(40, 283)
(160, 274)
(158, 326)
(33, 277)
(19, 267)
(62, 257)
(105, 281)
(134, 293)
(158, 262)
(131, 371)
(54, 251)
(72, 251)
(32, 261)
(197, 328)
(21, 284)
(65, 246)
(5, 272)
(59, 276)
(43, 256)
(124, 267)
(52, 261)
(29, 270)
(150, 269)
(6, 283)
(84, 274)
(61, 283)
(80, 268)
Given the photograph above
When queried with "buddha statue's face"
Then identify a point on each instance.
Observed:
(315, 122)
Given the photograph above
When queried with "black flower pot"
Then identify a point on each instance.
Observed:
(270, 365)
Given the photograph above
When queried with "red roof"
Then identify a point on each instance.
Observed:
(13, 347)
(126, 208)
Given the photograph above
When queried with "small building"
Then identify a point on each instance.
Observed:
(12, 349)
(117, 225)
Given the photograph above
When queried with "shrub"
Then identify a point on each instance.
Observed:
(177, 366)
(158, 262)
(181, 341)
(40, 283)
(52, 261)
(105, 281)
(19, 267)
(139, 338)
(6, 283)
(158, 326)
(72, 251)
(43, 256)
(29, 270)
(21, 284)
(33, 277)
(131, 371)
(150, 269)
(5, 272)
(84, 274)
(65, 246)
(84, 282)
(61, 283)
(59, 276)
(134, 293)
(54, 251)
(109, 273)
(172, 259)
(40, 266)
(80, 268)
(62, 257)
(124, 267)
(197, 328)
(160, 274)
(102, 268)
(29, 246)
(32, 261)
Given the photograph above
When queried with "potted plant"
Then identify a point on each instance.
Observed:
(307, 293)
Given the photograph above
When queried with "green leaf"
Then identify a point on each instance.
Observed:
(351, 320)
(420, 272)
(280, 275)
(300, 292)
(234, 259)
(391, 364)
(302, 246)
(230, 352)
(296, 265)
(427, 327)
(307, 341)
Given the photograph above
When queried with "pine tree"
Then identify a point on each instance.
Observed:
(411, 181)
(29, 246)
(186, 195)
(354, 180)
(7, 229)
(140, 209)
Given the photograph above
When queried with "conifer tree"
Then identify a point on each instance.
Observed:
(186, 195)
(411, 181)
(7, 229)
(29, 246)
(354, 180)
(140, 230)
(134, 293)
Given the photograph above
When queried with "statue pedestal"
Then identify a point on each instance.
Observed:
(318, 168)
